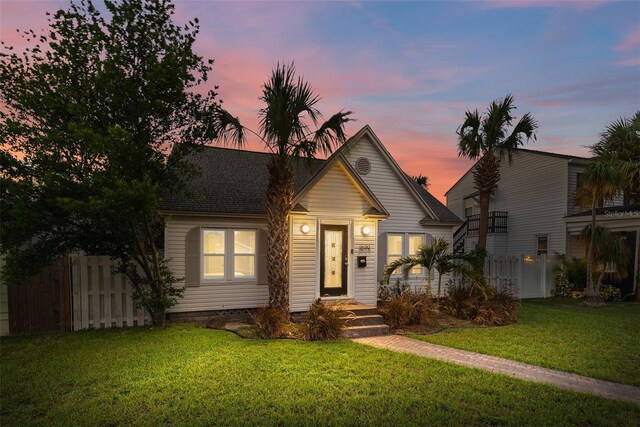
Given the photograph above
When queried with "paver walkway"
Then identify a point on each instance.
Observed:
(512, 368)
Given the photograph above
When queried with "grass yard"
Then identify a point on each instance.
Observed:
(601, 342)
(187, 375)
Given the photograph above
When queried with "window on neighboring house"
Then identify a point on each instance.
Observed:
(469, 204)
(542, 245)
(228, 254)
(578, 179)
(401, 245)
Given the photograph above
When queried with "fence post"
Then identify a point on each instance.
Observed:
(520, 274)
(544, 276)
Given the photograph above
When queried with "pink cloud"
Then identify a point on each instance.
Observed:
(573, 4)
(630, 42)
(629, 62)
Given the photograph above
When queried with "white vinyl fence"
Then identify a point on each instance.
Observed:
(102, 298)
(530, 276)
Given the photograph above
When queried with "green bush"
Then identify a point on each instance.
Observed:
(386, 290)
(409, 308)
(271, 322)
(562, 287)
(322, 322)
(610, 293)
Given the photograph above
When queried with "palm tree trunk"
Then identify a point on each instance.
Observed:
(439, 283)
(483, 226)
(591, 294)
(280, 190)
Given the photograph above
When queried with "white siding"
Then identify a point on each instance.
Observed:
(210, 296)
(404, 211)
(335, 195)
(533, 190)
(574, 170)
(334, 199)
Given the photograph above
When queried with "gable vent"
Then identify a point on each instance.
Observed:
(363, 166)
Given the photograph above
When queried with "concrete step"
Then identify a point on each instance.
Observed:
(366, 320)
(365, 331)
(364, 310)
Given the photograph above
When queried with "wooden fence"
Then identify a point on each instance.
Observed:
(42, 304)
(101, 297)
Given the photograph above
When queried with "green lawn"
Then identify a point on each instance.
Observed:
(186, 375)
(601, 342)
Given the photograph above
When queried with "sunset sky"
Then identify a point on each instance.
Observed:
(410, 70)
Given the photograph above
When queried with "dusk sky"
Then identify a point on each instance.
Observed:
(411, 69)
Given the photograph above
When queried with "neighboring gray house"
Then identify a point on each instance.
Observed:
(352, 213)
(532, 210)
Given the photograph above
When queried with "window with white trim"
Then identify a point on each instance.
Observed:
(542, 245)
(401, 245)
(228, 254)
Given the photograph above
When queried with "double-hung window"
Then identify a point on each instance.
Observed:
(542, 245)
(401, 245)
(228, 254)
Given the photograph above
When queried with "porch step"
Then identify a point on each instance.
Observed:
(365, 320)
(364, 331)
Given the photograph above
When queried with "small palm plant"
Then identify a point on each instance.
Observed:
(434, 256)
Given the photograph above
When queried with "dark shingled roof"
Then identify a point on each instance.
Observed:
(443, 213)
(231, 181)
(235, 182)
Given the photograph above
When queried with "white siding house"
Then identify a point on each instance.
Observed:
(345, 210)
(535, 191)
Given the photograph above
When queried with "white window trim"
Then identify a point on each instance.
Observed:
(229, 256)
(405, 252)
(536, 241)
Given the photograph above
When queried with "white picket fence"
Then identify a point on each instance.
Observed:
(531, 276)
(102, 298)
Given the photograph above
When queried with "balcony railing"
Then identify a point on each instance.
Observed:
(497, 224)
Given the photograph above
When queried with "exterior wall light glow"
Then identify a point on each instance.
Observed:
(305, 228)
(366, 231)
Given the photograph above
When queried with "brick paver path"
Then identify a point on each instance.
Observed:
(512, 368)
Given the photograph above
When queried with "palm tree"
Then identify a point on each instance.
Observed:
(619, 144)
(290, 104)
(436, 256)
(609, 252)
(486, 139)
(600, 182)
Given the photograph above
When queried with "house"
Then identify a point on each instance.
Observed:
(531, 211)
(353, 213)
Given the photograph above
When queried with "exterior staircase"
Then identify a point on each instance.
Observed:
(362, 321)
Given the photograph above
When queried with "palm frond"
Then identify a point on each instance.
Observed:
(228, 128)
(331, 133)
(470, 141)
(526, 128)
(406, 263)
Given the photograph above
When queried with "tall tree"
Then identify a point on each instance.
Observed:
(289, 106)
(98, 116)
(619, 144)
(487, 140)
(421, 180)
(600, 181)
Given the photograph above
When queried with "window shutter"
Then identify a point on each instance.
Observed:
(262, 274)
(382, 254)
(192, 258)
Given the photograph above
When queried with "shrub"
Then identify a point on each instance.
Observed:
(472, 301)
(408, 308)
(322, 322)
(610, 293)
(562, 287)
(271, 322)
(497, 310)
(386, 290)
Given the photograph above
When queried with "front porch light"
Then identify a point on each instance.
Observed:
(365, 231)
(305, 228)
